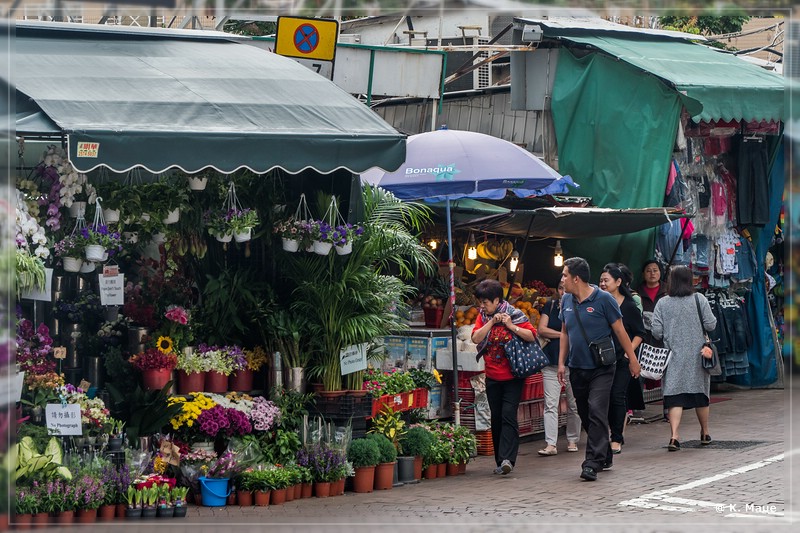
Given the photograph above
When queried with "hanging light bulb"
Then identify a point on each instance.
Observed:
(558, 259)
(433, 244)
(514, 261)
(472, 249)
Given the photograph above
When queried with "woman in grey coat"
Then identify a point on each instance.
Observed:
(686, 385)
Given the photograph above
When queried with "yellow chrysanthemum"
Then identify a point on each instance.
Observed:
(159, 465)
(164, 344)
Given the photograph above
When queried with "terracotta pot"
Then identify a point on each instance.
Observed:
(364, 479)
(87, 516)
(261, 497)
(40, 520)
(107, 512)
(290, 493)
(384, 473)
(337, 487)
(417, 467)
(430, 472)
(441, 470)
(191, 382)
(244, 497)
(65, 517)
(308, 490)
(216, 382)
(462, 467)
(155, 379)
(322, 489)
(21, 521)
(241, 381)
(232, 498)
(298, 491)
(278, 496)
(120, 513)
(452, 469)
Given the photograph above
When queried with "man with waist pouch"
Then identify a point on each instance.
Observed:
(591, 380)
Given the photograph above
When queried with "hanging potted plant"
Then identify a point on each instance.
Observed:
(115, 195)
(241, 223)
(321, 234)
(75, 189)
(156, 367)
(198, 182)
(343, 237)
(164, 200)
(99, 242)
(293, 234)
(70, 250)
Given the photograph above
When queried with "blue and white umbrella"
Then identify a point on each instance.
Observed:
(446, 165)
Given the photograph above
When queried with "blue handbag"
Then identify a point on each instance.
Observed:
(525, 358)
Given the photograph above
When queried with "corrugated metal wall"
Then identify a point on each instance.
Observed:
(487, 112)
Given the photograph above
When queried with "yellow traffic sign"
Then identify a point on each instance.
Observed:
(307, 38)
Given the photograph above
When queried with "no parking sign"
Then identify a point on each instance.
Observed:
(307, 38)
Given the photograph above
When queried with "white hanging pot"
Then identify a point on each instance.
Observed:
(310, 248)
(291, 245)
(144, 217)
(225, 238)
(72, 264)
(243, 236)
(158, 238)
(87, 266)
(173, 216)
(77, 209)
(322, 248)
(94, 252)
(130, 237)
(197, 184)
(111, 215)
(344, 249)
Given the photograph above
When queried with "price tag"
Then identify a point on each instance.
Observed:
(63, 419)
(110, 270)
(84, 384)
(60, 352)
(112, 289)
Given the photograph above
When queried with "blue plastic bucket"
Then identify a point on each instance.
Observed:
(214, 491)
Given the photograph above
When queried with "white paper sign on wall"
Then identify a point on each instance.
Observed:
(353, 358)
(63, 419)
(112, 289)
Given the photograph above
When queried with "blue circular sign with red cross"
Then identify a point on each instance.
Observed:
(306, 38)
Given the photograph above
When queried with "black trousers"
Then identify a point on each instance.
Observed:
(752, 190)
(618, 402)
(503, 398)
(592, 390)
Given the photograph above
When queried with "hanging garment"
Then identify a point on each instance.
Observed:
(702, 250)
(730, 189)
(669, 242)
(753, 188)
(745, 259)
(726, 252)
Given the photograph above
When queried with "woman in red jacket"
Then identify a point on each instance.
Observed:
(497, 322)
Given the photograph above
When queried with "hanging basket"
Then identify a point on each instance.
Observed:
(131, 237)
(198, 184)
(111, 215)
(243, 236)
(88, 266)
(291, 245)
(224, 238)
(158, 238)
(172, 217)
(344, 249)
(72, 264)
(94, 252)
(322, 248)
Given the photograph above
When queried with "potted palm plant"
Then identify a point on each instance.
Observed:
(364, 454)
(352, 299)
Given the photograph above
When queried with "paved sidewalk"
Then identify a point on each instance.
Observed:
(739, 483)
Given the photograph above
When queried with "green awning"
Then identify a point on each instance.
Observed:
(727, 87)
(154, 98)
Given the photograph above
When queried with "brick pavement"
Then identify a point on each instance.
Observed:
(649, 489)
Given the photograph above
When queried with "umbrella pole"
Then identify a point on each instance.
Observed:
(451, 264)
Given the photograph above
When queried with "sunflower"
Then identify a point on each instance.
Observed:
(164, 344)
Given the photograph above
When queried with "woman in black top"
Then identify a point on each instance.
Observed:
(612, 281)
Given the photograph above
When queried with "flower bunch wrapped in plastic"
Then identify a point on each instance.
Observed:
(265, 414)
(224, 467)
(145, 482)
(94, 414)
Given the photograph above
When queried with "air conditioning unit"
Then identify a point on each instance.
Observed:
(483, 74)
(350, 38)
(479, 78)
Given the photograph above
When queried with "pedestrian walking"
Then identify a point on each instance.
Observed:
(549, 327)
(589, 315)
(686, 385)
(494, 327)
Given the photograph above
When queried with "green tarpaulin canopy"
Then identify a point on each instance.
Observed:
(726, 87)
(169, 98)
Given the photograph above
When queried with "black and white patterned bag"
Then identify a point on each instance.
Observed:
(653, 360)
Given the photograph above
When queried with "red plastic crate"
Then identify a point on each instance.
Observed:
(463, 378)
(420, 398)
(398, 402)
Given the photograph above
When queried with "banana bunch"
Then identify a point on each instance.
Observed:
(190, 243)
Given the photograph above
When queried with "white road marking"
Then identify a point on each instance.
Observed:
(664, 501)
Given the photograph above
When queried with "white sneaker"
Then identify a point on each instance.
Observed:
(506, 466)
(548, 450)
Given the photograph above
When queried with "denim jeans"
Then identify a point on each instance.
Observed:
(552, 399)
